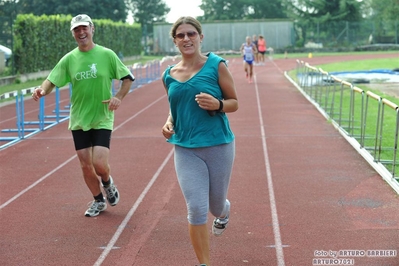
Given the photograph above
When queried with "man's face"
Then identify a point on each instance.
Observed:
(83, 35)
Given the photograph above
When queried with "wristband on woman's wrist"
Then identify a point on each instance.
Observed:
(220, 106)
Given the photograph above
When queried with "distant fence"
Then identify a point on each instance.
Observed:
(367, 119)
(286, 34)
(348, 33)
(25, 128)
(229, 35)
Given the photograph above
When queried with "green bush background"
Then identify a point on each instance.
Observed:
(40, 42)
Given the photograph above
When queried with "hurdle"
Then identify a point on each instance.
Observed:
(47, 121)
(19, 110)
(143, 74)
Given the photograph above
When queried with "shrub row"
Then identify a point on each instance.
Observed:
(41, 41)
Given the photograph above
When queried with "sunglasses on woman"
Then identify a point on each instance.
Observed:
(190, 34)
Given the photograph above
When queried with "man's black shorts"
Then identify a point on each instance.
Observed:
(91, 138)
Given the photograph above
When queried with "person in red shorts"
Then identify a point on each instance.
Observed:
(261, 49)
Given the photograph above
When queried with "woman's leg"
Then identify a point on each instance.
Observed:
(220, 178)
(245, 68)
(199, 237)
(250, 72)
(193, 177)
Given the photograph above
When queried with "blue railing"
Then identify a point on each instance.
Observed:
(25, 128)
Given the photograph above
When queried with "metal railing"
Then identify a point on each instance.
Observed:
(24, 128)
(360, 115)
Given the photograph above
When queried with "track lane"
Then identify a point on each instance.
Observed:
(326, 196)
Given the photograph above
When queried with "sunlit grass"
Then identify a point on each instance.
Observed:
(375, 135)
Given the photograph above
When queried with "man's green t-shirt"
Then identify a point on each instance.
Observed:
(90, 74)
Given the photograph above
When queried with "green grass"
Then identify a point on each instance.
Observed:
(370, 64)
(389, 123)
(320, 54)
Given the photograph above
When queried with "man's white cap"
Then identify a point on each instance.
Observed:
(81, 20)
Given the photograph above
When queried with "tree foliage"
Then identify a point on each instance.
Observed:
(147, 12)
(241, 9)
(384, 14)
(324, 11)
(310, 15)
(385, 10)
(114, 10)
(40, 41)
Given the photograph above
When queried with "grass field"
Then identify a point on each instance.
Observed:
(374, 131)
(385, 63)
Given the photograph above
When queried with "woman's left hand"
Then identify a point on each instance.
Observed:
(207, 101)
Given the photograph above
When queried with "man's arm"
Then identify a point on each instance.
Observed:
(43, 89)
(125, 87)
(115, 101)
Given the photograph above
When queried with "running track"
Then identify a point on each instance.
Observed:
(298, 190)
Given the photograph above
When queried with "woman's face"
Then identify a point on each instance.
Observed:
(187, 39)
(248, 39)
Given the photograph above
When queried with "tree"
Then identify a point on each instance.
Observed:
(241, 9)
(324, 11)
(309, 15)
(100, 9)
(261, 9)
(147, 12)
(8, 13)
(385, 14)
(387, 10)
(221, 9)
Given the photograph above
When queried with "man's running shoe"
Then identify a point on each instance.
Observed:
(220, 224)
(95, 208)
(112, 193)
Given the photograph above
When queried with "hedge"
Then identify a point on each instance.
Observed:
(41, 41)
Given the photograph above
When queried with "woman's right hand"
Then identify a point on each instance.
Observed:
(167, 130)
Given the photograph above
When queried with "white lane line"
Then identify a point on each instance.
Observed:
(36, 182)
(122, 226)
(139, 112)
(73, 157)
(276, 227)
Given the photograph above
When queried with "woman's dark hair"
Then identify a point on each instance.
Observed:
(186, 20)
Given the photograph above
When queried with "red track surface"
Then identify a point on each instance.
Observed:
(298, 188)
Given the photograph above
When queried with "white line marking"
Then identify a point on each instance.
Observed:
(36, 183)
(73, 157)
(122, 226)
(139, 112)
(276, 227)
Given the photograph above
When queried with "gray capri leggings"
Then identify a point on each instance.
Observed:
(204, 177)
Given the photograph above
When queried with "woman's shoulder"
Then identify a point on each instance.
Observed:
(166, 72)
(214, 57)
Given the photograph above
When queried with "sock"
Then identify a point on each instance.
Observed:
(106, 183)
(99, 197)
